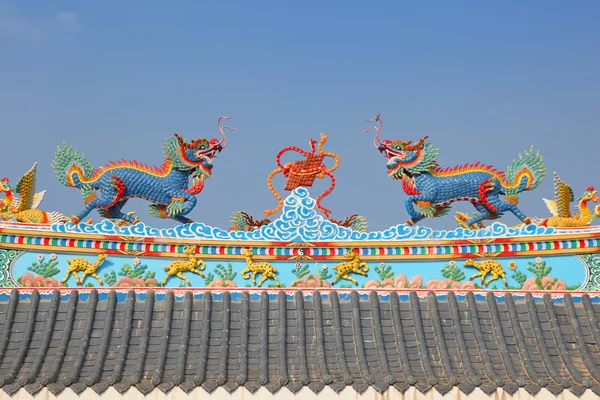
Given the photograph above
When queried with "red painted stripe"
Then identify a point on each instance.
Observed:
(582, 244)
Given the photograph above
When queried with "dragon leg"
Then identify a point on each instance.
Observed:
(105, 201)
(160, 211)
(115, 212)
(415, 216)
(182, 219)
(182, 203)
(503, 205)
(484, 213)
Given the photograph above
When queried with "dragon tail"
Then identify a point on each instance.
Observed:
(55, 217)
(359, 224)
(525, 174)
(73, 169)
(239, 222)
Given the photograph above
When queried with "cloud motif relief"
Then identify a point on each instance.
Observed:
(300, 222)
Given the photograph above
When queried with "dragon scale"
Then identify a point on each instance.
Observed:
(431, 190)
(167, 187)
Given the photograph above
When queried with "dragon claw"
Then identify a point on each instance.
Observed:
(463, 218)
(175, 207)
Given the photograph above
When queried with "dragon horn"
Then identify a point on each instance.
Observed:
(180, 140)
(223, 141)
(377, 129)
(183, 144)
(408, 147)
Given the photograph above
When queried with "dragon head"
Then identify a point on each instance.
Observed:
(589, 195)
(196, 156)
(404, 158)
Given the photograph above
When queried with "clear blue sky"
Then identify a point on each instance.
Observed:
(484, 80)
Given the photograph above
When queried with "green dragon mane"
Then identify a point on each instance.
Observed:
(428, 162)
(64, 158)
(532, 161)
(172, 150)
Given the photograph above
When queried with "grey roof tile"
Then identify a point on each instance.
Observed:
(297, 339)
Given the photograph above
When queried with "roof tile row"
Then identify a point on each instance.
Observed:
(293, 340)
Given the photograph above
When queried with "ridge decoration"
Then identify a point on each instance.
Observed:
(560, 207)
(431, 190)
(301, 222)
(300, 173)
(24, 206)
(304, 172)
(166, 187)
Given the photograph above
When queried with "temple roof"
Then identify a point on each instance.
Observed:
(99, 339)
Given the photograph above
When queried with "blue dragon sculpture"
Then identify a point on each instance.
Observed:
(430, 190)
(166, 187)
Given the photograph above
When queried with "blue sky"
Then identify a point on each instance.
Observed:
(485, 80)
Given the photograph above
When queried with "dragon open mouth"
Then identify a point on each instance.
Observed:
(389, 152)
(211, 153)
(204, 169)
(394, 168)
